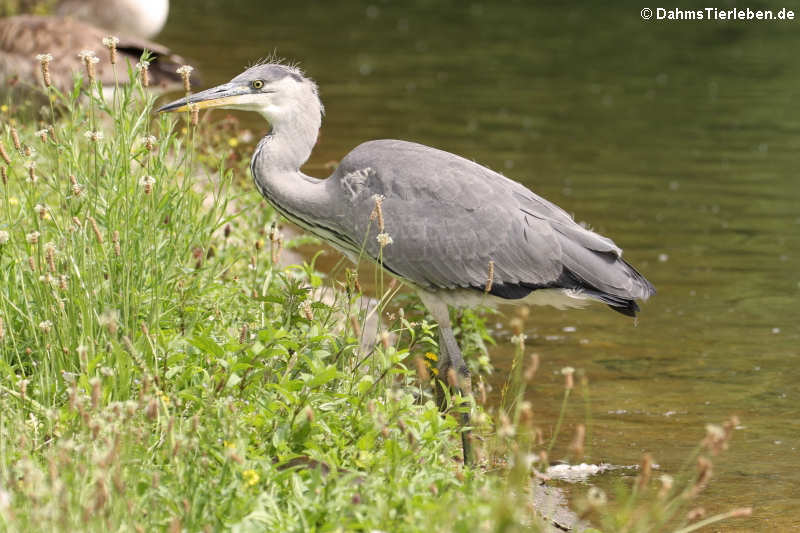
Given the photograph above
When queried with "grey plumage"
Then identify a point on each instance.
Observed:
(449, 218)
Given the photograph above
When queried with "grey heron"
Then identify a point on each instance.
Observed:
(459, 233)
(23, 37)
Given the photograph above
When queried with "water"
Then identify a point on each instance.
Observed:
(678, 140)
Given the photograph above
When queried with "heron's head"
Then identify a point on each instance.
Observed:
(278, 92)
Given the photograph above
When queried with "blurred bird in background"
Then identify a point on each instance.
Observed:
(78, 26)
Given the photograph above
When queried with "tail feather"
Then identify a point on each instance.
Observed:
(569, 280)
(624, 300)
(593, 267)
(603, 271)
(625, 306)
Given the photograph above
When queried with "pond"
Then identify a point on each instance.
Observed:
(679, 140)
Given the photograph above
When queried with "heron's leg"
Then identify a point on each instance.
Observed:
(463, 382)
(441, 314)
(442, 371)
(450, 358)
(456, 360)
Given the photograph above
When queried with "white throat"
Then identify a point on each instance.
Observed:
(295, 116)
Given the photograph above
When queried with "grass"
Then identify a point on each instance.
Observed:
(160, 371)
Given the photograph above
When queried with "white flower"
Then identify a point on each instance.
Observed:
(3, 237)
(86, 55)
(715, 432)
(519, 339)
(147, 182)
(567, 371)
(142, 65)
(44, 58)
(110, 41)
(45, 326)
(185, 70)
(384, 239)
(32, 237)
(94, 135)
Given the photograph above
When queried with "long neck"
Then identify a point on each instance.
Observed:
(277, 161)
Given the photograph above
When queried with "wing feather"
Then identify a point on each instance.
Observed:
(449, 217)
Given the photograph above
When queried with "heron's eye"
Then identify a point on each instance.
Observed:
(257, 84)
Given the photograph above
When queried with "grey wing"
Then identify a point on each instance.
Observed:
(448, 239)
(449, 217)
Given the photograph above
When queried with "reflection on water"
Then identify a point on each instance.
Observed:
(677, 140)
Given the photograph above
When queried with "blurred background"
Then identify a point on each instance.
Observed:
(679, 140)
